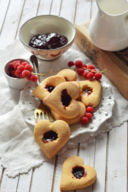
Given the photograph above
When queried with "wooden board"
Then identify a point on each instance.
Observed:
(114, 64)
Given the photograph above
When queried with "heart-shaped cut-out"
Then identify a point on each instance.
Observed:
(90, 92)
(76, 175)
(51, 136)
(63, 99)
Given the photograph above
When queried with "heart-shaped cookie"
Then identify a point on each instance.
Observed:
(76, 175)
(74, 120)
(47, 86)
(63, 99)
(51, 136)
(90, 92)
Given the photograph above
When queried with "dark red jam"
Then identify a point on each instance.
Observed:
(65, 98)
(49, 136)
(50, 88)
(87, 91)
(48, 41)
(78, 172)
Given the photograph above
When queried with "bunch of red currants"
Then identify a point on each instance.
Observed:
(88, 115)
(88, 72)
(21, 69)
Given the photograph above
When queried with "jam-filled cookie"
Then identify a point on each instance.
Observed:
(90, 92)
(63, 99)
(76, 175)
(74, 120)
(68, 74)
(51, 136)
(47, 86)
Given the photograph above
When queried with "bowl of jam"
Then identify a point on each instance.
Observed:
(47, 36)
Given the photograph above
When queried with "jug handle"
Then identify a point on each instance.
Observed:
(126, 18)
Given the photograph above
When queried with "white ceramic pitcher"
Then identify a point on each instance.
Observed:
(109, 29)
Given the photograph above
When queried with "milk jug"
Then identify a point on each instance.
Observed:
(109, 29)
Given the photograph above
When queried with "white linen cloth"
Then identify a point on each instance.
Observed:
(18, 150)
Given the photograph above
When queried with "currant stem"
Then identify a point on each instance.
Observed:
(92, 70)
(39, 74)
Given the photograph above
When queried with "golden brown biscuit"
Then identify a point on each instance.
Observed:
(63, 99)
(90, 92)
(51, 136)
(74, 120)
(76, 175)
(68, 74)
(46, 86)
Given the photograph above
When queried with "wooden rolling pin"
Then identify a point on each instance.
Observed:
(114, 64)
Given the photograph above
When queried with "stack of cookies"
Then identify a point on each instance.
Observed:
(66, 97)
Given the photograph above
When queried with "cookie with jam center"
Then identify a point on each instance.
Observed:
(76, 175)
(47, 86)
(63, 99)
(90, 92)
(51, 136)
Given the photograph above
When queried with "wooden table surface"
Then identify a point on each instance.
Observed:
(108, 154)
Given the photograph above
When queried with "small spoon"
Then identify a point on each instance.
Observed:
(34, 62)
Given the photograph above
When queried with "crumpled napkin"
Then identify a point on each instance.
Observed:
(18, 150)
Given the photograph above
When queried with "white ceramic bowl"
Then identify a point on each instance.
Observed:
(47, 24)
(14, 82)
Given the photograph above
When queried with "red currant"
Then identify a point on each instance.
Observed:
(70, 63)
(26, 74)
(14, 64)
(89, 109)
(90, 75)
(85, 74)
(29, 77)
(33, 78)
(84, 66)
(20, 68)
(17, 73)
(91, 67)
(93, 71)
(88, 115)
(78, 63)
(80, 71)
(24, 63)
(17, 65)
(84, 120)
(11, 65)
(28, 67)
(98, 76)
